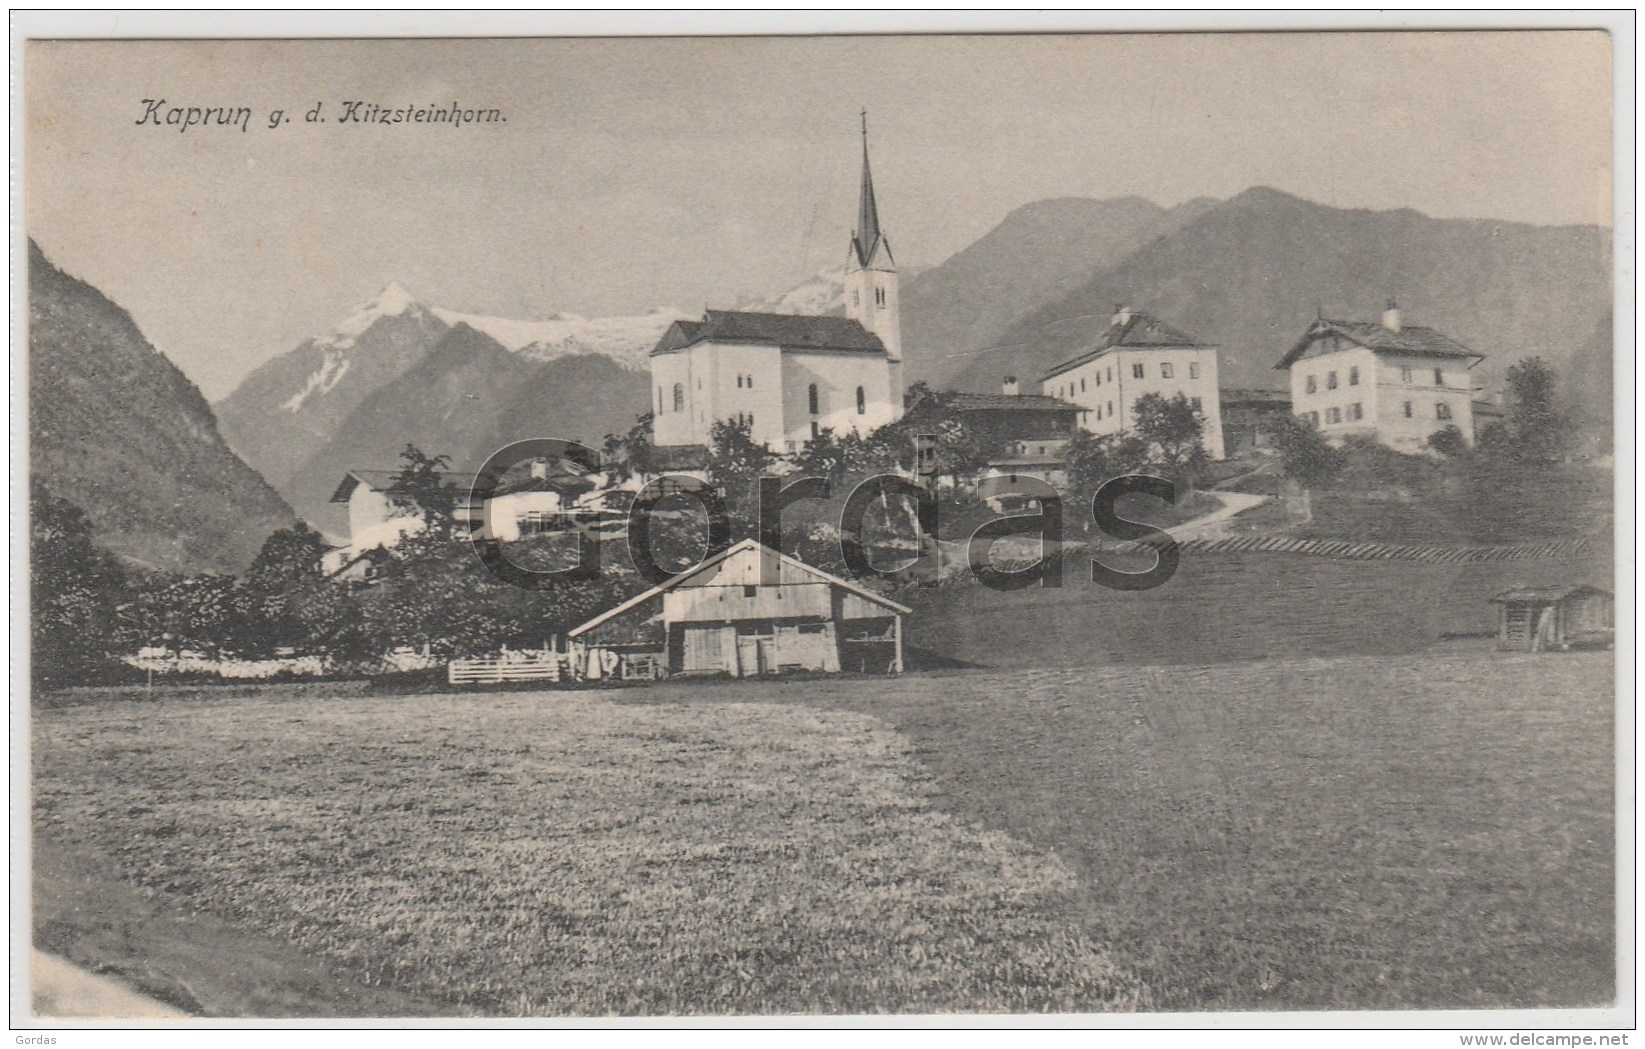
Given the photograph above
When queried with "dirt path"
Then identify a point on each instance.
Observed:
(1214, 524)
(60, 990)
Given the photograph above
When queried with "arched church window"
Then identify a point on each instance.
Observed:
(679, 397)
(862, 402)
(811, 393)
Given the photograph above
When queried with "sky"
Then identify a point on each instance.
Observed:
(631, 174)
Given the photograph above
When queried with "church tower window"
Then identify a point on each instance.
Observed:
(811, 394)
(862, 402)
(679, 397)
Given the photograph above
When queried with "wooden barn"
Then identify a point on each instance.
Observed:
(1536, 619)
(719, 619)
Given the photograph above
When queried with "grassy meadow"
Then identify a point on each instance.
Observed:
(556, 854)
(1426, 831)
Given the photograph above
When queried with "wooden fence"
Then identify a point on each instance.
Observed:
(551, 667)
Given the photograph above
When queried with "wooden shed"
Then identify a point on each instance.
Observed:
(1536, 619)
(721, 617)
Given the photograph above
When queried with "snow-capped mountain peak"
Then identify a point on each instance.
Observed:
(626, 340)
(392, 301)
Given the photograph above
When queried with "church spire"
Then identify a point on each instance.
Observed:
(868, 239)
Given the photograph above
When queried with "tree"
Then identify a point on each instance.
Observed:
(631, 454)
(1449, 442)
(76, 589)
(1538, 430)
(1173, 432)
(736, 465)
(421, 486)
(1305, 456)
(289, 560)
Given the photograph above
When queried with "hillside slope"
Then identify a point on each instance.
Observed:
(1249, 274)
(1034, 257)
(447, 403)
(117, 428)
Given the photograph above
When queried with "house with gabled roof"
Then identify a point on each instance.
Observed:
(1399, 383)
(1135, 355)
(751, 610)
(785, 376)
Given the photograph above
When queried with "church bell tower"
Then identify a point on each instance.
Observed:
(871, 296)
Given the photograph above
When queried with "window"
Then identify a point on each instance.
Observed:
(811, 394)
(815, 429)
(1165, 371)
(739, 381)
(679, 397)
(1353, 376)
(659, 400)
(1439, 377)
(1110, 409)
(1110, 374)
(750, 420)
(748, 381)
(1407, 409)
(862, 402)
(879, 297)
(1405, 375)
(1098, 381)
(1082, 385)
(1136, 371)
(750, 591)
(1313, 387)
(1442, 411)
(1355, 414)
(1330, 380)
(1195, 403)
(788, 446)
(1333, 415)
(1313, 419)
(1193, 369)
(856, 298)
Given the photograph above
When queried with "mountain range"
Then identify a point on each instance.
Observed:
(1251, 273)
(1247, 274)
(117, 429)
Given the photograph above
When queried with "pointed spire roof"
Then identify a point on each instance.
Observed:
(868, 238)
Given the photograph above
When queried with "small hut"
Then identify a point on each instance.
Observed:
(1536, 619)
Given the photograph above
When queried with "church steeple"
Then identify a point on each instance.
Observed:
(871, 293)
(868, 238)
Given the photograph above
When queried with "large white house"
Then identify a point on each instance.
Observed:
(786, 376)
(1136, 355)
(1399, 383)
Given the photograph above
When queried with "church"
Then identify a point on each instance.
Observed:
(788, 377)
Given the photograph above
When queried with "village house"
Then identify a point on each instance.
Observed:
(787, 377)
(378, 516)
(1399, 383)
(1022, 436)
(1136, 355)
(1249, 418)
(719, 618)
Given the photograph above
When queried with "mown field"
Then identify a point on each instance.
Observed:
(551, 854)
(1426, 831)
(1429, 831)
(1228, 607)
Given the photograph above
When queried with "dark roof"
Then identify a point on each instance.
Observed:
(1410, 338)
(1236, 395)
(383, 480)
(787, 330)
(1546, 593)
(560, 482)
(1010, 402)
(1140, 331)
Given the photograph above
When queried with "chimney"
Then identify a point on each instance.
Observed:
(1122, 314)
(539, 469)
(1390, 316)
(1009, 386)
